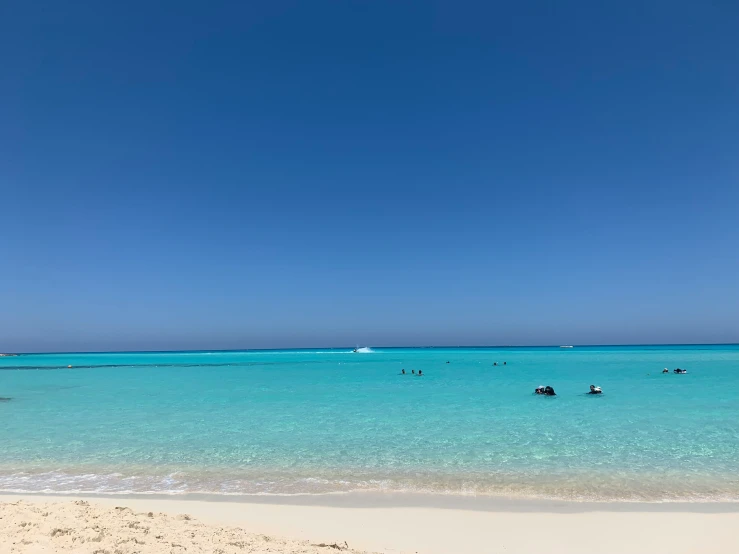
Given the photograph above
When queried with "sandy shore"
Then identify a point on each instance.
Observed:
(123, 525)
(98, 528)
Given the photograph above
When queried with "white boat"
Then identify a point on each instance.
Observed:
(565, 346)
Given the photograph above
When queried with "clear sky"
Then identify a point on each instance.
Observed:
(195, 175)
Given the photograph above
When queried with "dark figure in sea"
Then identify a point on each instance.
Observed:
(495, 363)
(413, 371)
(665, 370)
(420, 372)
(447, 362)
(678, 370)
(5, 399)
(504, 363)
(595, 390)
(549, 391)
(402, 371)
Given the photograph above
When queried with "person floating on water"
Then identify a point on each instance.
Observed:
(546, 391)
(595, 390)
(495, 363)
(402, 371)
(678, 370)
(420, 372)
(413, 371)
(665, 370)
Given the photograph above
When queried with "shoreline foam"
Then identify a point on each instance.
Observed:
(585, 487)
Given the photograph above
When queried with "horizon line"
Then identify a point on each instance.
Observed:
(194, 351)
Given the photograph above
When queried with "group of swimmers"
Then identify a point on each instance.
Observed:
(413, 372)
(677, 370)
(549, 391)
(420, 373)
(496, 363)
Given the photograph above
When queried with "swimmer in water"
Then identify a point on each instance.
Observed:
(665, 370)
(495, 363)
(420, 372)
(413, 371)
(504, 363)
(595, 390)
(402, 371)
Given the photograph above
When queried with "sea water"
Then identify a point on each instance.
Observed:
(330, 421)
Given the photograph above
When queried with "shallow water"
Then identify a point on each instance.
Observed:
(291, 422)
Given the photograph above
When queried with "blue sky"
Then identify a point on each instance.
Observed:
(241, 175)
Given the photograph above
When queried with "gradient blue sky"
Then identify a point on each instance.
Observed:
(194, 175)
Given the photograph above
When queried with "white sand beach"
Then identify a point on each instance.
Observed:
(99, 528)
(123, 525)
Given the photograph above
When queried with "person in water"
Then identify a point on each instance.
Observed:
(539, 389)
(420, 372)
(546, 391)
(595, 390)
(665, 370)
(495, 363)
(402, 371)
(504, 363)
(413, 371)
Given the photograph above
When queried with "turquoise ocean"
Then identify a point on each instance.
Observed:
(331, 421)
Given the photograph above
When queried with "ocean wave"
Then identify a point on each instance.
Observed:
(178, 483)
